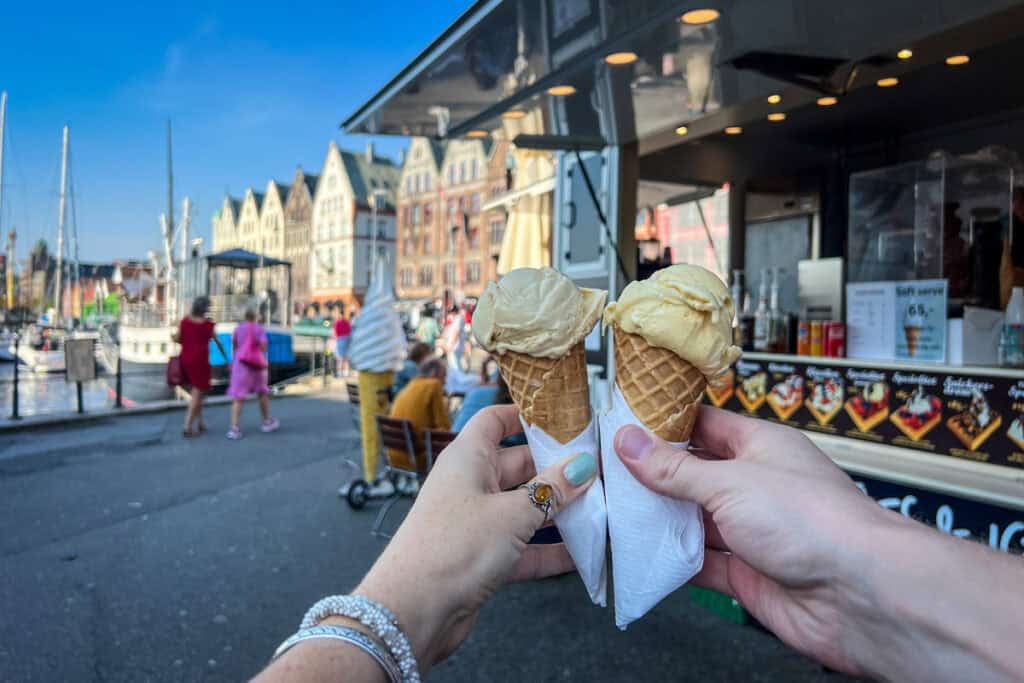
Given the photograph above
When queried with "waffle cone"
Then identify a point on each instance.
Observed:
(551, 393)
(662, 389)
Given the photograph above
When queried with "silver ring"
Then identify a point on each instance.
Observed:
(542, 496)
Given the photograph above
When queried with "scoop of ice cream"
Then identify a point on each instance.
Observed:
(538, 312)
(378, 340)
(685, 309)
(913, 317)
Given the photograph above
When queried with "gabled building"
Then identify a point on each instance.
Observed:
(225, 225)
(271, 234)
(248, 221)
(351, 187)
(417, 261)
(298, 214)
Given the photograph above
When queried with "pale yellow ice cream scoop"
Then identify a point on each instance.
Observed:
(536, 311)
(685, 309)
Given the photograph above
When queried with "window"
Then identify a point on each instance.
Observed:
(462, 171)
(453, 239)
(406, 277)
(428, 213)
(449, 273)
(497, 233)
(473, 170)
(405, 216)
(451, 207)
(451, 174)
(331, 182)
(475, 203)
(407, 247)
(473, 271)
(416, 214)
(428, 244)
(427, 275)
(473, 238)
(426, 182)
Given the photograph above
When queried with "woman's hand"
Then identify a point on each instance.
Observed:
(467, 534)
(832, 573)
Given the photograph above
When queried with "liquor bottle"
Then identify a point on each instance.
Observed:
(737, 300)
(747, 324)
(762, 317)
(1011, 343)
(778, 327)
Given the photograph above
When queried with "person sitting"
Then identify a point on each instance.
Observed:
(418, 353)
(488, 393)
(422, 403)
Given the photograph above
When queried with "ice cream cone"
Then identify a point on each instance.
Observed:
(913, 339)
(551, 393)
(663, 390)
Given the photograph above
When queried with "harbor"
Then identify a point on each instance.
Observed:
(118, 525)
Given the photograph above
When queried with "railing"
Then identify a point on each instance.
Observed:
(144, 315)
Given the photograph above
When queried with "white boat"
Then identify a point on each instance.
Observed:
(6, 347)
(39, 360)
(41, 348)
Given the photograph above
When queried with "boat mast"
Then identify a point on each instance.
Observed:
(60, 225)
(3, 123)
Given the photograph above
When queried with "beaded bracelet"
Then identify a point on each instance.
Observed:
(347, 635)
(374, 616)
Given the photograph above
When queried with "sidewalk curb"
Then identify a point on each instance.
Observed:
(37, 422)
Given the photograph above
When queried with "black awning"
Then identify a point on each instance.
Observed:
(242, 258)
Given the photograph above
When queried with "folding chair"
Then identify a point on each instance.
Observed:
(398, 441)
(437, 441)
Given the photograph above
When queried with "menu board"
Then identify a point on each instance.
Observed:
(897, 320)
(978, 418)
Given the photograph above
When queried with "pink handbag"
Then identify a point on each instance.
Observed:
(250, 353)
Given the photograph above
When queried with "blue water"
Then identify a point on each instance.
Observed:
(48, 394)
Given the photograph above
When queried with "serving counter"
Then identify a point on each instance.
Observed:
(940, 443)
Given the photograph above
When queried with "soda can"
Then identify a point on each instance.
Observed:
(803, 338)
(835, 339)
(817, 338)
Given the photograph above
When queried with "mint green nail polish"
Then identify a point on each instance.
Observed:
(580, 469)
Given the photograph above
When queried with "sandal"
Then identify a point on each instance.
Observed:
(202, 427)
(188, 433)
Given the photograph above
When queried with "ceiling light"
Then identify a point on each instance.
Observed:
(777, 116)
(561, 90)
(827, 101)
(619, 58)
(513, 114)
(774, 99)
(477, 134)
(700, 16)
(905, 53)
(733, 130)
(957, 60)
(682, 130)
(889, 82)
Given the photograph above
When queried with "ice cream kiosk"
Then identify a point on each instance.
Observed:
(851, 171)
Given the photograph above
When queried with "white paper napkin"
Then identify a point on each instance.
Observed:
(657, 542)
(584, 523)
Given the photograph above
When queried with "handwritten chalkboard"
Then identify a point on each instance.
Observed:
(80, 359)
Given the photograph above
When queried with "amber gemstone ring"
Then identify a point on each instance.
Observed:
(542, 495)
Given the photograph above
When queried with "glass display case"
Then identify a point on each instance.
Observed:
(944, 217)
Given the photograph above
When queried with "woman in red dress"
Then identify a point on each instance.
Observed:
(194, 334)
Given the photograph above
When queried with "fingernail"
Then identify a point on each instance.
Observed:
(633, 443)
(580, 469)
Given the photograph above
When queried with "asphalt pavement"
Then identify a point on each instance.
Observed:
(128, 553)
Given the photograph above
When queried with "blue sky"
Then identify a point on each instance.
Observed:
(252, 89)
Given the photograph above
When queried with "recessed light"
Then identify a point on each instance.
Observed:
(561, 90)
(619, 58)
(777, 116)
(957, 60)
(827, 101)
(889, 82)
(733, 130)
(905, 53)
(682, 130)
(477, 134)
(774, 99)
(513, 114)
(696, 17)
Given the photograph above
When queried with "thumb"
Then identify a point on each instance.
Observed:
(538, 501)
(666, 469)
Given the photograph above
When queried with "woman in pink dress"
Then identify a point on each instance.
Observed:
(248, 379)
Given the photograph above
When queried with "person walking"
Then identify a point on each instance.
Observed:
(342, 337)
(427, 331)
(194, 334)
(249, 373)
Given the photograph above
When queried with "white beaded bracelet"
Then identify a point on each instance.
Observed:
(346, 635)
(374, 616)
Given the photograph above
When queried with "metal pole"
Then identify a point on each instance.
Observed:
(60, 227)
(3, 120)
(118, 398)
(325, 361)
(78, 393)
(14, 408)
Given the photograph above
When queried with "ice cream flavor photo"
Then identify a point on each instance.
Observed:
(825, 399)
(753, 390)
(918, 415)
(723, 389)
(974, 425)
(786, 396)
(869, 406)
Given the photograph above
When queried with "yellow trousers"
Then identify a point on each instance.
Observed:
(373, 400)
